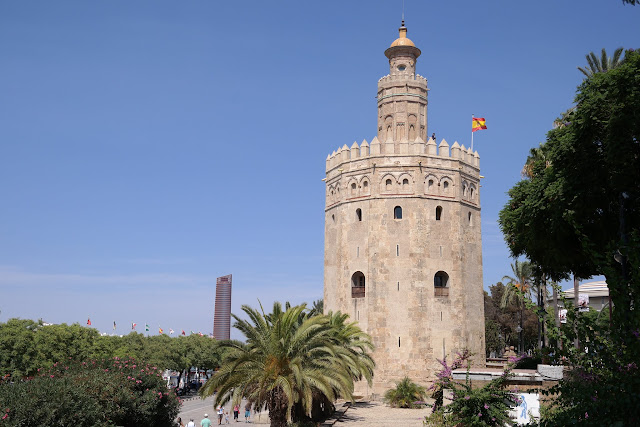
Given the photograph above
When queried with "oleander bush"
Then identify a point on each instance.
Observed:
(112, 392)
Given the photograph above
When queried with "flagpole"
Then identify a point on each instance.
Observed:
(472, 133)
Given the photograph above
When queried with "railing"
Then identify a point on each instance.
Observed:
(357, 292)
(441, 292)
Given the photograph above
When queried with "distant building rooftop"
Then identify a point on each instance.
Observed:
(593, 289)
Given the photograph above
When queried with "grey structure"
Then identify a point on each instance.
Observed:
(403, 250)
(222, 316)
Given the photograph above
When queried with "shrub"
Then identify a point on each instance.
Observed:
(406, 394)
(528, 362)
(603, 385)
(118, 392)
(484, 406)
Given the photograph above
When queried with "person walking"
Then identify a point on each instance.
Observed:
(206, 422)
(236, 412)
(247, 412)
(180, 423)
(191, 423)
(220, 414)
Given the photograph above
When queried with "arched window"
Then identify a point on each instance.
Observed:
(388, 184)
(445, 186)
(365, 187)
(397, 212)
(359, 214)
(353, 189)
(440, 281)
(357, 285)
(471, 192)
(464, 189)
(438, 213)
(405, 182)
(430, 185)
(469, 218)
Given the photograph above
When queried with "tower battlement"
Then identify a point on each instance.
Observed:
(394, 78)
(427, 152)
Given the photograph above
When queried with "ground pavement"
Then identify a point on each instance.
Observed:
(362, 414)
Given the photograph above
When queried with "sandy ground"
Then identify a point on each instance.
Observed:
(363, 414)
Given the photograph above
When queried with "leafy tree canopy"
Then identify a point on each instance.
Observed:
(579, 212)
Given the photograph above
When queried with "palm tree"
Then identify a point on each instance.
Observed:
(518, 287)
(288, 358)
(405, 394)
(603, 64)
(536, 155)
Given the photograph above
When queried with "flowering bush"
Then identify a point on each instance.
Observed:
(603, 386)
(484, 406)
(111, 392)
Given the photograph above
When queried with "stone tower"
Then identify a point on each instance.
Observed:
(403, 250)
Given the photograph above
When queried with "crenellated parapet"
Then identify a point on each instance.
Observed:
(397, 78)
(345, 155)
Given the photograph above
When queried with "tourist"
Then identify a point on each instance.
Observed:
(247, 412)
(206, 422)
(220, 414)
(191, 423)
(180, 423)
(236, 412)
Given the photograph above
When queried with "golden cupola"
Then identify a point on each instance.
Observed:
(402, 45)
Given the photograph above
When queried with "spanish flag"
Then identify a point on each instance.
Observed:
(160, 330)
(478, 123)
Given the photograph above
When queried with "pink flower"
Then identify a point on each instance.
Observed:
(5, 416)
(586, 415)
(486, 406)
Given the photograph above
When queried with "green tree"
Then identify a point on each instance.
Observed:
(405, 394)
(518, 288)
(580, 213)
(18, 353)
(288, 356)
(602, 64)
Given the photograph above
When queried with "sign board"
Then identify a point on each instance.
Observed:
(583, 302)
(563, 315)
(527, 410)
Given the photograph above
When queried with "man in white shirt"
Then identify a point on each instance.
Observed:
(191, 423)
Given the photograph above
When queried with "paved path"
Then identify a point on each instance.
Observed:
(365, 414)
(362, 414)
(195, 407)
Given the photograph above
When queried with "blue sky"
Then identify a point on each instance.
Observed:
(148, 147)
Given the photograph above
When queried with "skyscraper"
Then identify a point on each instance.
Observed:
(222, 316)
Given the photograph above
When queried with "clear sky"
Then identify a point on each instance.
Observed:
(148, 147)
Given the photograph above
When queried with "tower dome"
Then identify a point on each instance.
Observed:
(401, 44)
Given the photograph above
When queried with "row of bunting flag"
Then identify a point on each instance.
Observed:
(146, 328)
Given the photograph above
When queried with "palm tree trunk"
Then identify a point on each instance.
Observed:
(277, 408)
